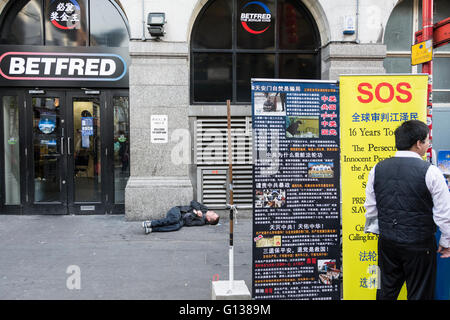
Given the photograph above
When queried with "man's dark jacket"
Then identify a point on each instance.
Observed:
(404, 203)
(190, 218)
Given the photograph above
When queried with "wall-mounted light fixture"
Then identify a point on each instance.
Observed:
(155, 24)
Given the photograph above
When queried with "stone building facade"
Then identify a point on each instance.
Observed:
(178, 83)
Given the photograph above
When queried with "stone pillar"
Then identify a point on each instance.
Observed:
(159, 85)
(350, 58)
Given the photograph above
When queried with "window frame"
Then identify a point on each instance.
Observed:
(7, 16)
(234, 51)
(407, 53)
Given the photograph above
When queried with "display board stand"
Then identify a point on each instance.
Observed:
(231, 289)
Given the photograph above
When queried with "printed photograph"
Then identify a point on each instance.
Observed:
(328, 273)
(270, 103)
(302, 127)
(262, 242)
(443, 163)
(320, 170)
(270, 198)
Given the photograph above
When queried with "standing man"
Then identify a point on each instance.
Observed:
(406, 198)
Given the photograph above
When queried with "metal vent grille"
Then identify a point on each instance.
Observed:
(211, 154)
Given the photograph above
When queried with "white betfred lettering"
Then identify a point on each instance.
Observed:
(48, 64)
(256, 17)
(111, 67)
(17, 65)
(62, 66)
(76, 64)
(92, 67)
(32, 66)
(61, 63)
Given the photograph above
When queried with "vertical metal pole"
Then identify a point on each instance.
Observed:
(230, 182)
(143, 20)
(427, 24)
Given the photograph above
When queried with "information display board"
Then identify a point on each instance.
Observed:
(373, 106)
(296, 187)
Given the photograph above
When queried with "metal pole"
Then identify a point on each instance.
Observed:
(230, 181)
(427, 67)
(143, 20)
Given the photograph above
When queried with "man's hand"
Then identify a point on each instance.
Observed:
(445, 252)
(198, 213)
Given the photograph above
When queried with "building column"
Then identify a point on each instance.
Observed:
(159, 85)
(350, 58)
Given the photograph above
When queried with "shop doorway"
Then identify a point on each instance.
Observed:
(71, 142)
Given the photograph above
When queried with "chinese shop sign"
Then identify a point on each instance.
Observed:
(296, 209)
(65, 15)
(372, 108)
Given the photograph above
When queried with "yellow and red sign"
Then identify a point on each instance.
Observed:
(372, 107)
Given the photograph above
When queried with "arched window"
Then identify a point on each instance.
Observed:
(405, 20)
(64, 23)
(236, 40)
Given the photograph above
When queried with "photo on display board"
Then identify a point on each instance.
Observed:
(443, 163)
(327, 270)
(270, 198)
(262, 242)
(270, 103)
(320, 170)
(302, 127)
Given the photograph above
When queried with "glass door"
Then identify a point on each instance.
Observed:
(87, 153)
(64, 151)
(46, 153)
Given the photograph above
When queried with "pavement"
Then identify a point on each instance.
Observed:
(104, 257)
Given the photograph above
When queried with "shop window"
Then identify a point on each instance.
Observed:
(207, 30)
(107, 27)
(405, 20)
(11, 149)
(234, 41)
(23, 24)
(213, 76)
(64, 23)
(121, 147)
(252, 65)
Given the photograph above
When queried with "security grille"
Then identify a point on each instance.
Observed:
(211, 155)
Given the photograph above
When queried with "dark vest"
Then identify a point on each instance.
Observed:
(404, 202)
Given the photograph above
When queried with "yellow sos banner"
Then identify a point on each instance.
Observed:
(372, 107)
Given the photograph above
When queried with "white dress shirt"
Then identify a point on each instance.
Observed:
(435, 182)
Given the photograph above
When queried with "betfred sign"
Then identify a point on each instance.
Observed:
(256, 22)
(60, 67)
(56, 68)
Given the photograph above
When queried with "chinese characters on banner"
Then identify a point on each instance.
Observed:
(372, 108)
(296, 209)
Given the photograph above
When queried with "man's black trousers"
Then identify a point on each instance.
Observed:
(415, 264)
(172, 222)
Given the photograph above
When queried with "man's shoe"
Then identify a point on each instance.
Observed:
(146, 224)
(147, 230)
